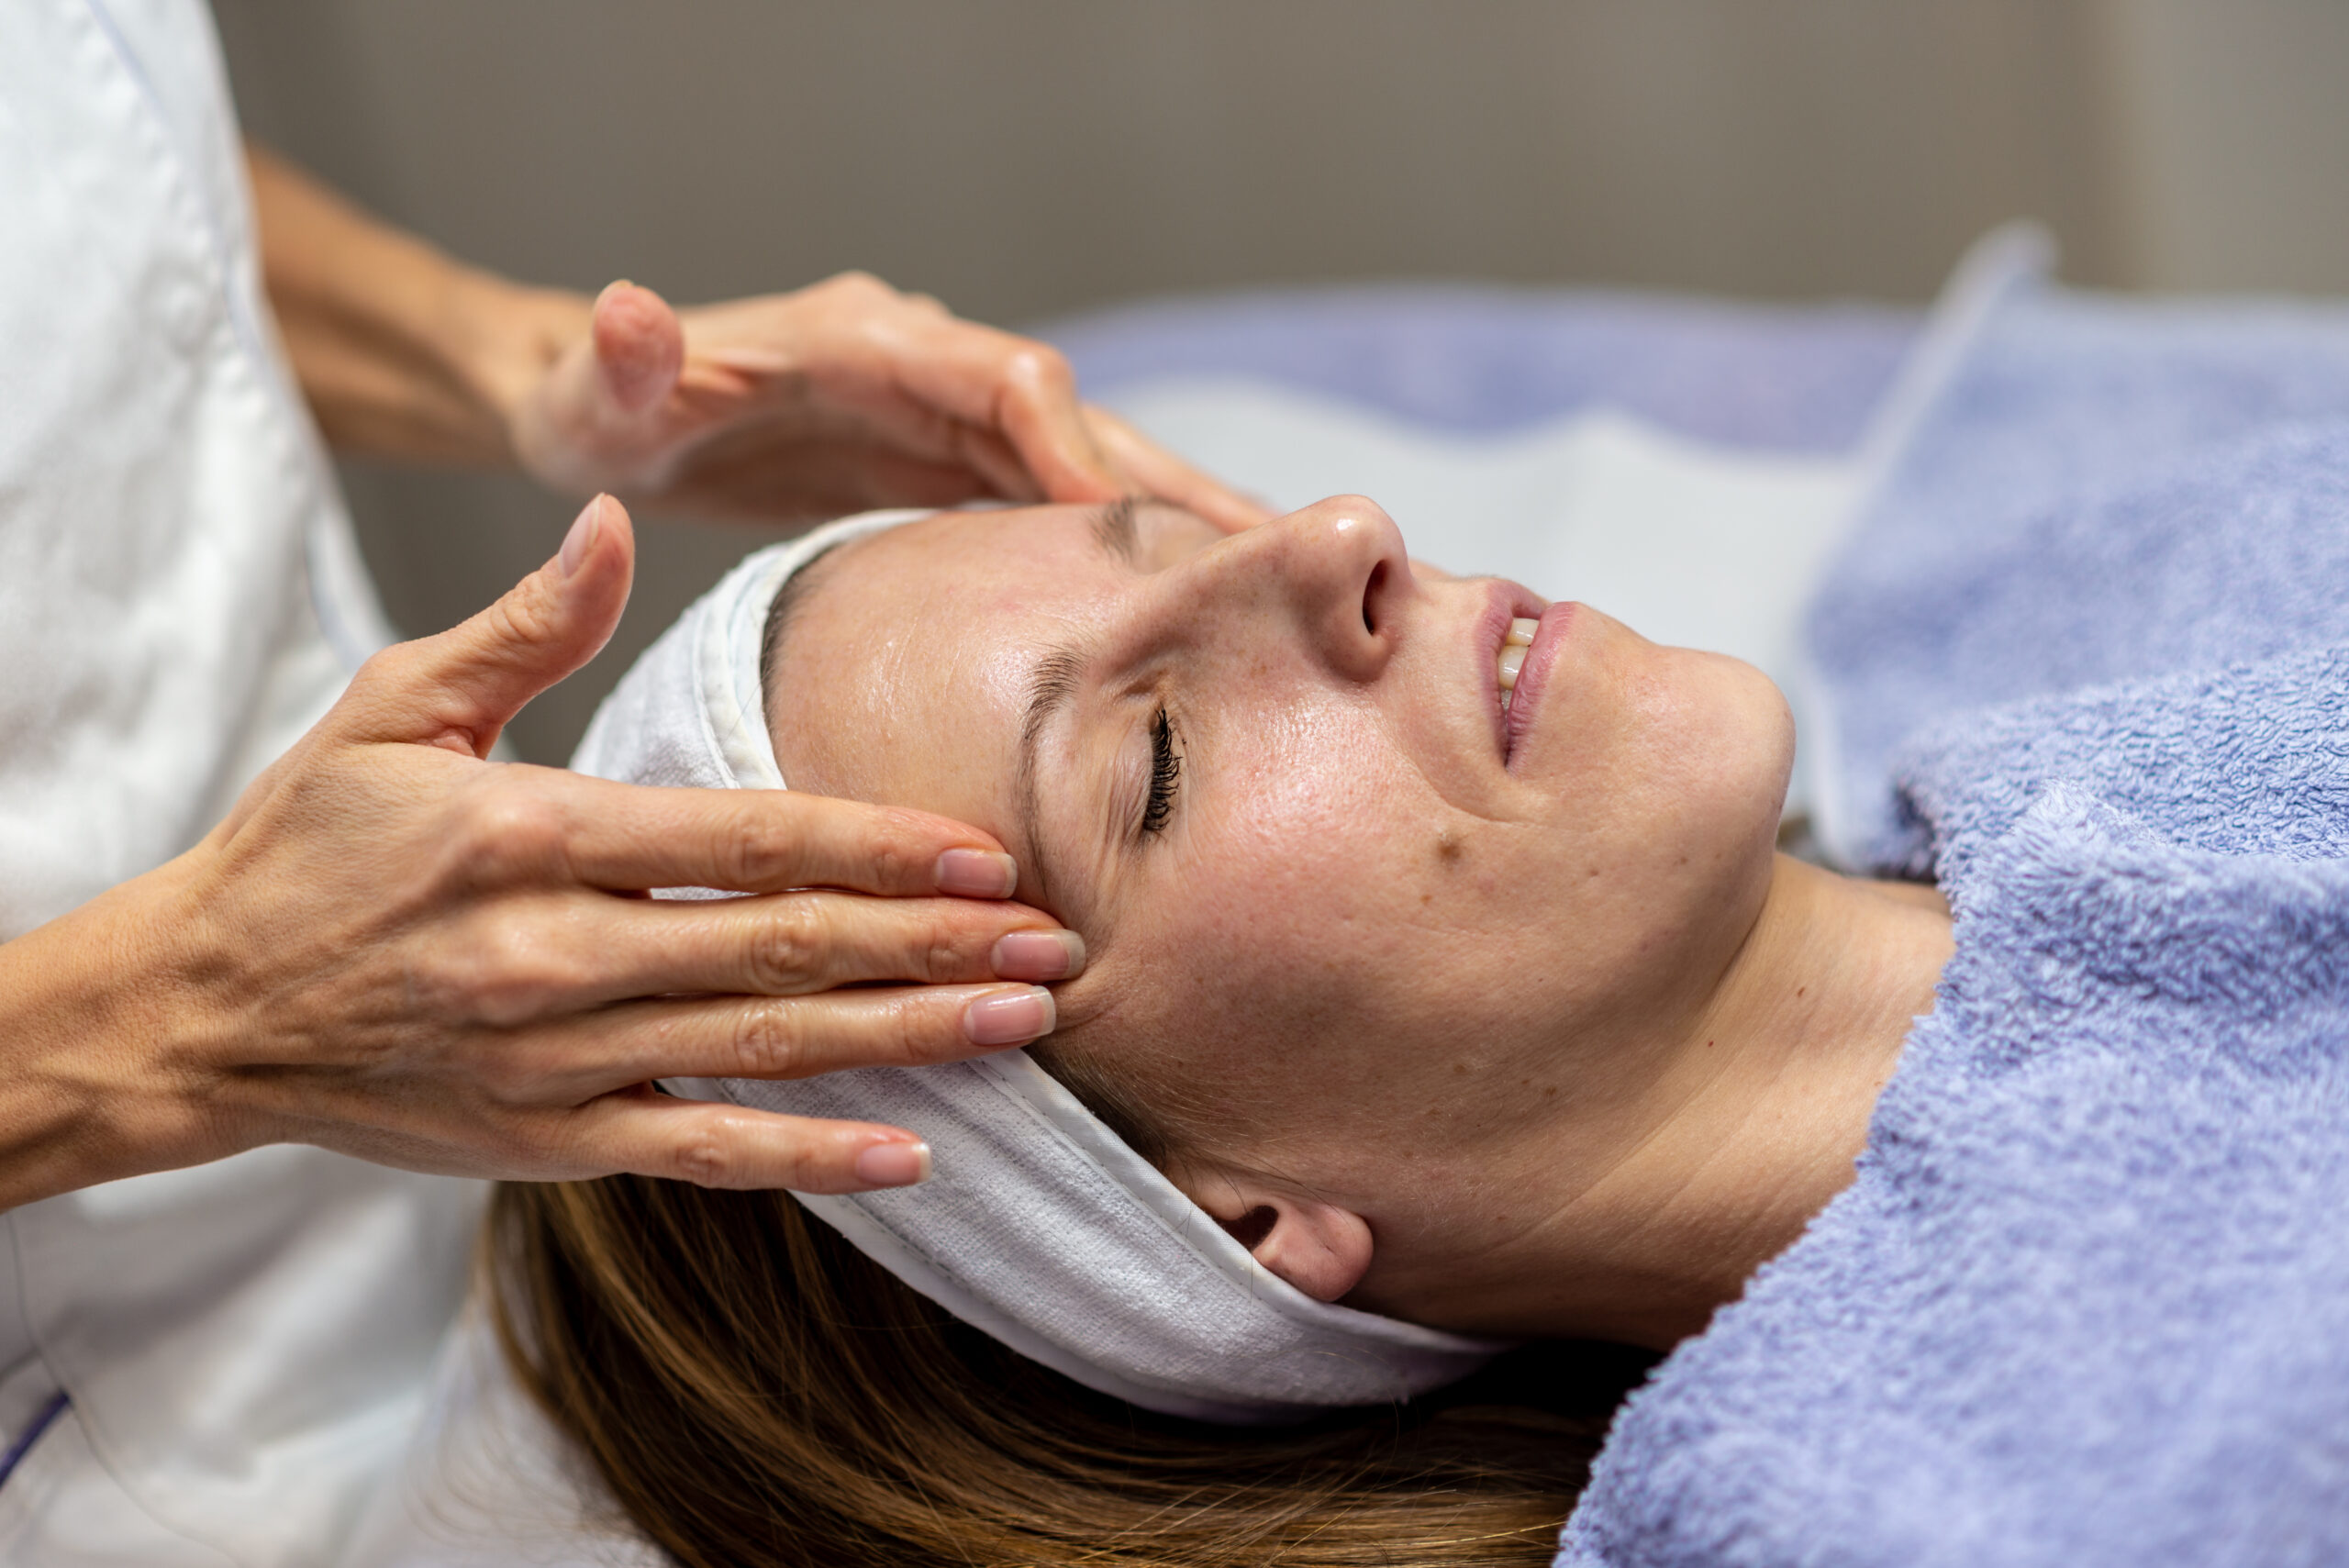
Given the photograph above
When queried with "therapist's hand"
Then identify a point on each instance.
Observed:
(396, 948)
(836, 398)
(791, 408)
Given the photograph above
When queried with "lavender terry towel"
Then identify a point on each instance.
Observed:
(2087, 1302)
(1484, 359)
(2083, 500)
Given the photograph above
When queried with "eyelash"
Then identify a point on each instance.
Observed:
(1165, 775)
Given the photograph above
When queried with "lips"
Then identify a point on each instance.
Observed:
(1505, 606)
(1541, 657)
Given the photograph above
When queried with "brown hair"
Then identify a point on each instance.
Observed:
(755, 1392)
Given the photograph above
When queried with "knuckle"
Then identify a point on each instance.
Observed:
(702, 1156)
(785, 950)
(943, 957)
(918, 1033)
(758, 853)
(527, 616)
(856, 285)
(507, 832)
(894, 863)
(767, 1042)
(389, 667)
(498, 972)
(1043, 367)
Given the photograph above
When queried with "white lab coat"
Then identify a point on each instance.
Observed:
(244, 1347)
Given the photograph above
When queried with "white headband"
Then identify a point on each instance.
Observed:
(1038, 1226)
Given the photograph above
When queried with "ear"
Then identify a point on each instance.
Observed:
(1320, 1248)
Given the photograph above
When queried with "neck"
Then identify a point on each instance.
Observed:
(1665, 1203)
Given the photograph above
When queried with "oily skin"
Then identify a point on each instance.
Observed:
(1554, 1044)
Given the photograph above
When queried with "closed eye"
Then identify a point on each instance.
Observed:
(1165, 774)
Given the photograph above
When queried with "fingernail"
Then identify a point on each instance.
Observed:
(1009, 1018)
(894, 1164)
(977, 874)
(1039, 955)
(582, 537)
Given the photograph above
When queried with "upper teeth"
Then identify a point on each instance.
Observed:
(1520, 638)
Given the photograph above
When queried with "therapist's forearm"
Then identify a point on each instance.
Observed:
(401, 351)
(93, 1083)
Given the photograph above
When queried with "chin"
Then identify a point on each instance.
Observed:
(1736, 747)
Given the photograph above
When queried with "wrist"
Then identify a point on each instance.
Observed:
(507, 337)
(402, 351)
(109, 1070)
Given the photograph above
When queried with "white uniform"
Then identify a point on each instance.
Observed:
(240, 1348)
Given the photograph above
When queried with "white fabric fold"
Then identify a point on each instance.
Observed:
(1038, 1227)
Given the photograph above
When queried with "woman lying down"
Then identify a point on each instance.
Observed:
(1444, 990)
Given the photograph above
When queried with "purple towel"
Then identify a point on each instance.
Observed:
(2048, 525)
(2087, 1302)
(1791, 378)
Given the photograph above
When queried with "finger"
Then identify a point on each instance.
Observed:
(546, 826)
(639, 347)
(1019, 390)
(1163, 475)
(753, 471)
(1001, 468)
(769, 1037)
(727, 1146)
(462, 687)
(779, 945)
(901, 453)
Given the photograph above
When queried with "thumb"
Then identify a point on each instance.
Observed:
(639, 346)
(459, 689)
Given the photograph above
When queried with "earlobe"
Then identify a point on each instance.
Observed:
(1321, 1248)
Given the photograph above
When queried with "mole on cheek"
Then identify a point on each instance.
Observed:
(1448, 846)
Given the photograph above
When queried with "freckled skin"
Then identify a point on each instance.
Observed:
(1356, 919)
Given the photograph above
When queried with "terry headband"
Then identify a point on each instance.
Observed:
(1037, 1225)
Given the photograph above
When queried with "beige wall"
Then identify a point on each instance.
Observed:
(1020, 158)
(2233, 117)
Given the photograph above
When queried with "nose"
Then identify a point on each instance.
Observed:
(1339, 569)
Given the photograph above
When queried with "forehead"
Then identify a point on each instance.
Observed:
(905, 667)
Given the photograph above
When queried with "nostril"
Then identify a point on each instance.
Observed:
(1370, 597)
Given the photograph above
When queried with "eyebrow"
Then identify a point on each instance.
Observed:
(1052, 686)
(1113, 528)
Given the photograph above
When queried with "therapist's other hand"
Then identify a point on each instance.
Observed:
(397, 949)
(836, 398)
(792, 407)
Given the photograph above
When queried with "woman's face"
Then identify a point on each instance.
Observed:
(1348, 919)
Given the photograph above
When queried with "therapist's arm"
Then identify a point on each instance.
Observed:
(397, 949)
(840, 396)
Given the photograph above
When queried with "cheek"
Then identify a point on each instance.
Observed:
(1337, 865)
(1317, 848)
(1320, 929)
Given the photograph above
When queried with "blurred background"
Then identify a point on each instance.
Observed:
(1023, 160)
